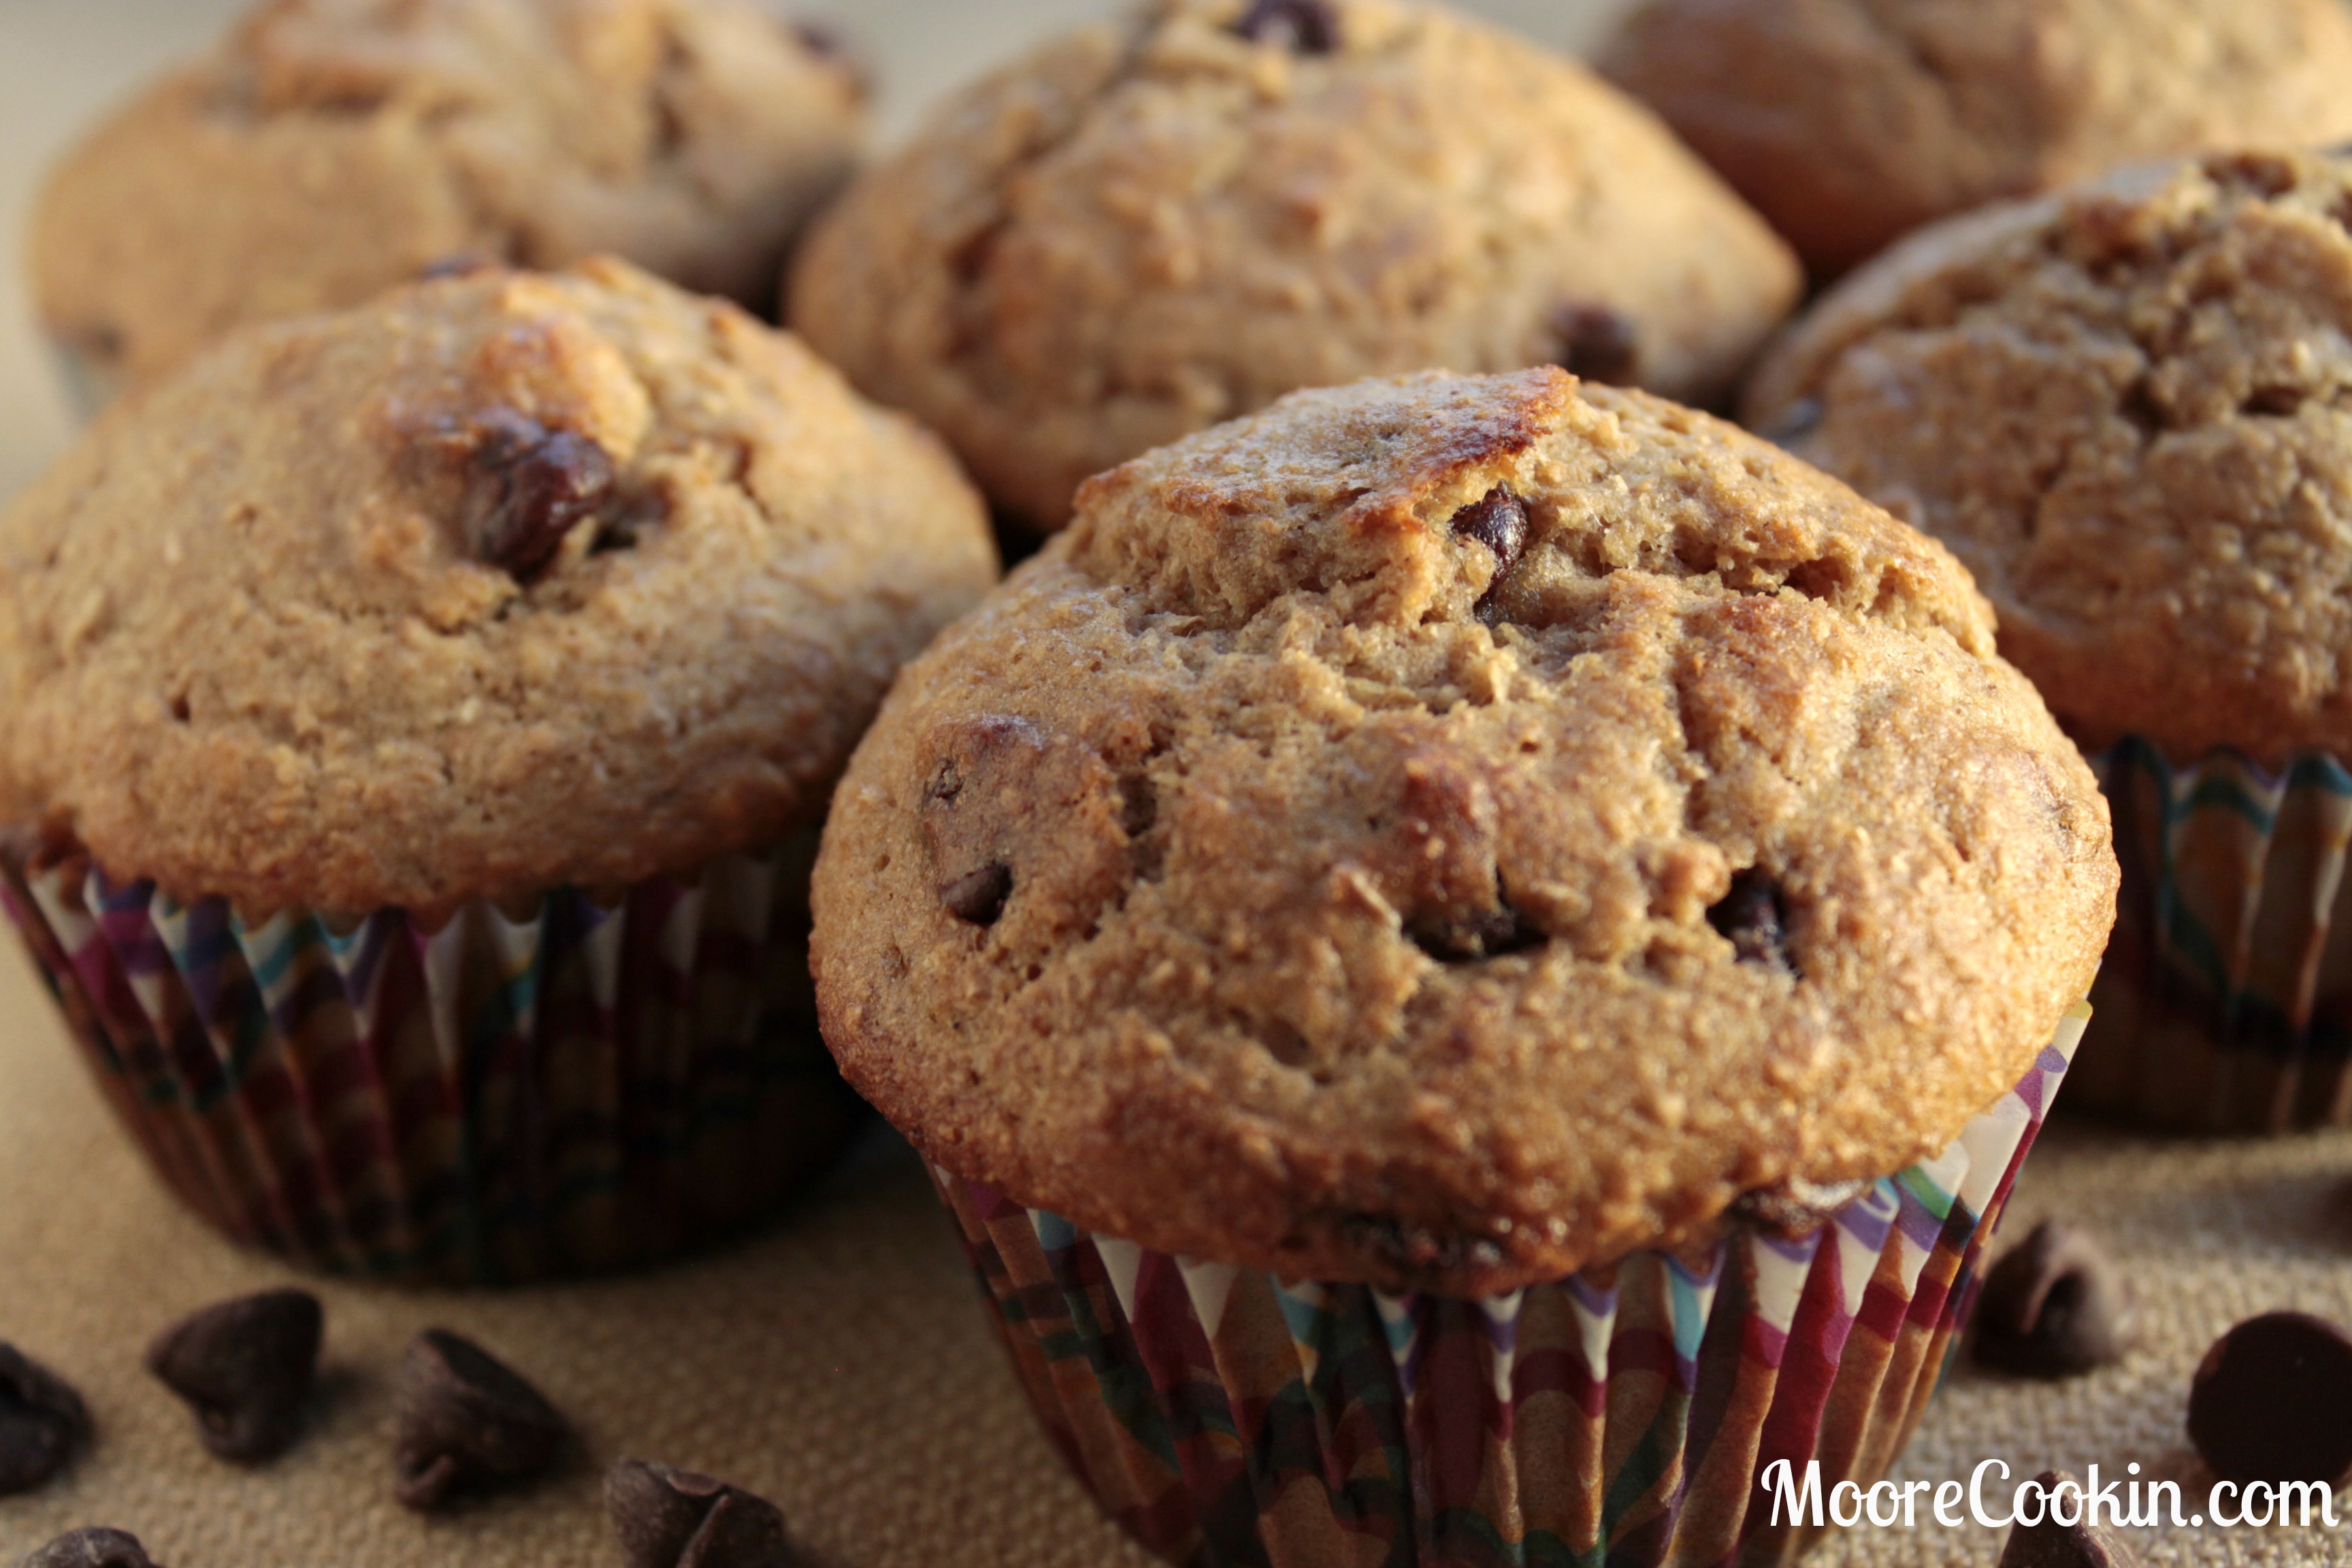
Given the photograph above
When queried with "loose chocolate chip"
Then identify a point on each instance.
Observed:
(1753, 917)
(2272, 1401)
(1796, 1207)
(41, 1420)
(1598, 344)
(2049, 1544)
(668, 1518)
(535, 485)
(1309, 27)
(1468, 936)
(466, 1422)
(92, 1548)
(1498, 519)
(246, 1366)
(979, 896)
(2052, 1306)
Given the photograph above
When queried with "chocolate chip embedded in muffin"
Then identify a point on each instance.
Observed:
(668, 1518)
(1599, 344)
(2272, 1401)
(468, 1422)
(1309, 27)
(245, 1368)
(2054, 1306)
(532, 487)
(42, 1421)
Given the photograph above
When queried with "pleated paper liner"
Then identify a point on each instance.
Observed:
(1622, 1415)
(590, 1086)
(2225, 1001)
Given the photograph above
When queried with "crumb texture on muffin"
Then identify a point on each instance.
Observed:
(1449, 831)
(2129, 409)
(1849, 122)
(1134, 233)
(500, 583)
(329, 149)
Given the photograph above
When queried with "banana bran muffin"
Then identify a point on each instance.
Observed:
(326, 149)
(1448, 832)
(410, 713)
(2124, 407)
(1850, 123)
(1140, 230)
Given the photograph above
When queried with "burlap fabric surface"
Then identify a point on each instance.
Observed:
(840, 1363)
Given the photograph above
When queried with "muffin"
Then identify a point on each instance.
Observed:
(327, 150)
(1138, 231)
(418, 721)
(2123, 408)
(1848, 125)
(1460, 905)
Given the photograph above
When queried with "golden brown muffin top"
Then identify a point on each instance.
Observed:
(1138, 231)
(2129, 409)
(1850, 123)
(1451, 831)
(500, 583)
(326, 149)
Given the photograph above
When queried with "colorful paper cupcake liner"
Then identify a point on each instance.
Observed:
(2225, 1001)
(591, 1086)
(1624, 1416)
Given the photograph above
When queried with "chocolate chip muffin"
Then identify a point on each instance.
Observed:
(1849, 122)
(1460, 836)
(420, 704)
(329, 149)
(2124, 407)
(1138, 231)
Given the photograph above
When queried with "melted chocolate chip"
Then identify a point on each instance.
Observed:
(2054, 1306)
(668, 1518)
(533, 487)
(41, 1421)
(1796, 1207)
(1598, 344)
(1415, 1251)
(979, 897)
(466, 1422)
(2272, 1401)
(95, 1548)
(1498, 519)
(246, 1367)
(1464, 937)
(2051, 1544)
(1754, 917)
(1307, 26)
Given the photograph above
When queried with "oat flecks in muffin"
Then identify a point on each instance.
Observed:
(502, 582)
(1340, 925)
(1138, 232)
(1849, 122)
(2128, 408)
(327, 150)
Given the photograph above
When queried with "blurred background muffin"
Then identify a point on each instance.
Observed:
(328, 149)
(1140, 230)
(1849, 123)
(418, 721)
(1451, 868)
(2128, 408)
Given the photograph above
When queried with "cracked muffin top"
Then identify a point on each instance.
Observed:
(499, 583)
(1849, 122)
(2129, 409)
(327, 150)
(1138, 232)
(1446, 832)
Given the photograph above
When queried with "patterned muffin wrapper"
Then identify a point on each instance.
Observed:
(588, 1087)
(1623, 1415)
(2225, 1001)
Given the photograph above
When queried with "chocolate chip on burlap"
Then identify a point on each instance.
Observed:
(2272, 1401)
(93, 1547)
(669, 1518)
(2051, 1544)
(468, 1423)
(246, 1366)
(2052, 1306)
(41, 1421)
